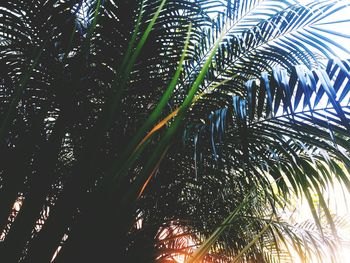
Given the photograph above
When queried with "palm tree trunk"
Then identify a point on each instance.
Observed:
(14, 173)
(25, 222)
(100, 233)
(61, 216)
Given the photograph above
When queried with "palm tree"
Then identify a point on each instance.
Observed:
(136, 130)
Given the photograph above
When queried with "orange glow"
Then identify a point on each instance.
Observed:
(156, 128)
(14, 212)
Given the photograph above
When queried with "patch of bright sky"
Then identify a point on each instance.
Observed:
(341, 25)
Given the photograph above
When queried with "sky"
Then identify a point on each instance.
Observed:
(343, 27)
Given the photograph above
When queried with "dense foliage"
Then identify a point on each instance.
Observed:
(140, 130)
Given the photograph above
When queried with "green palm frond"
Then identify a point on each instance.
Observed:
(266, 40)
(254, 85)
(294, 139)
